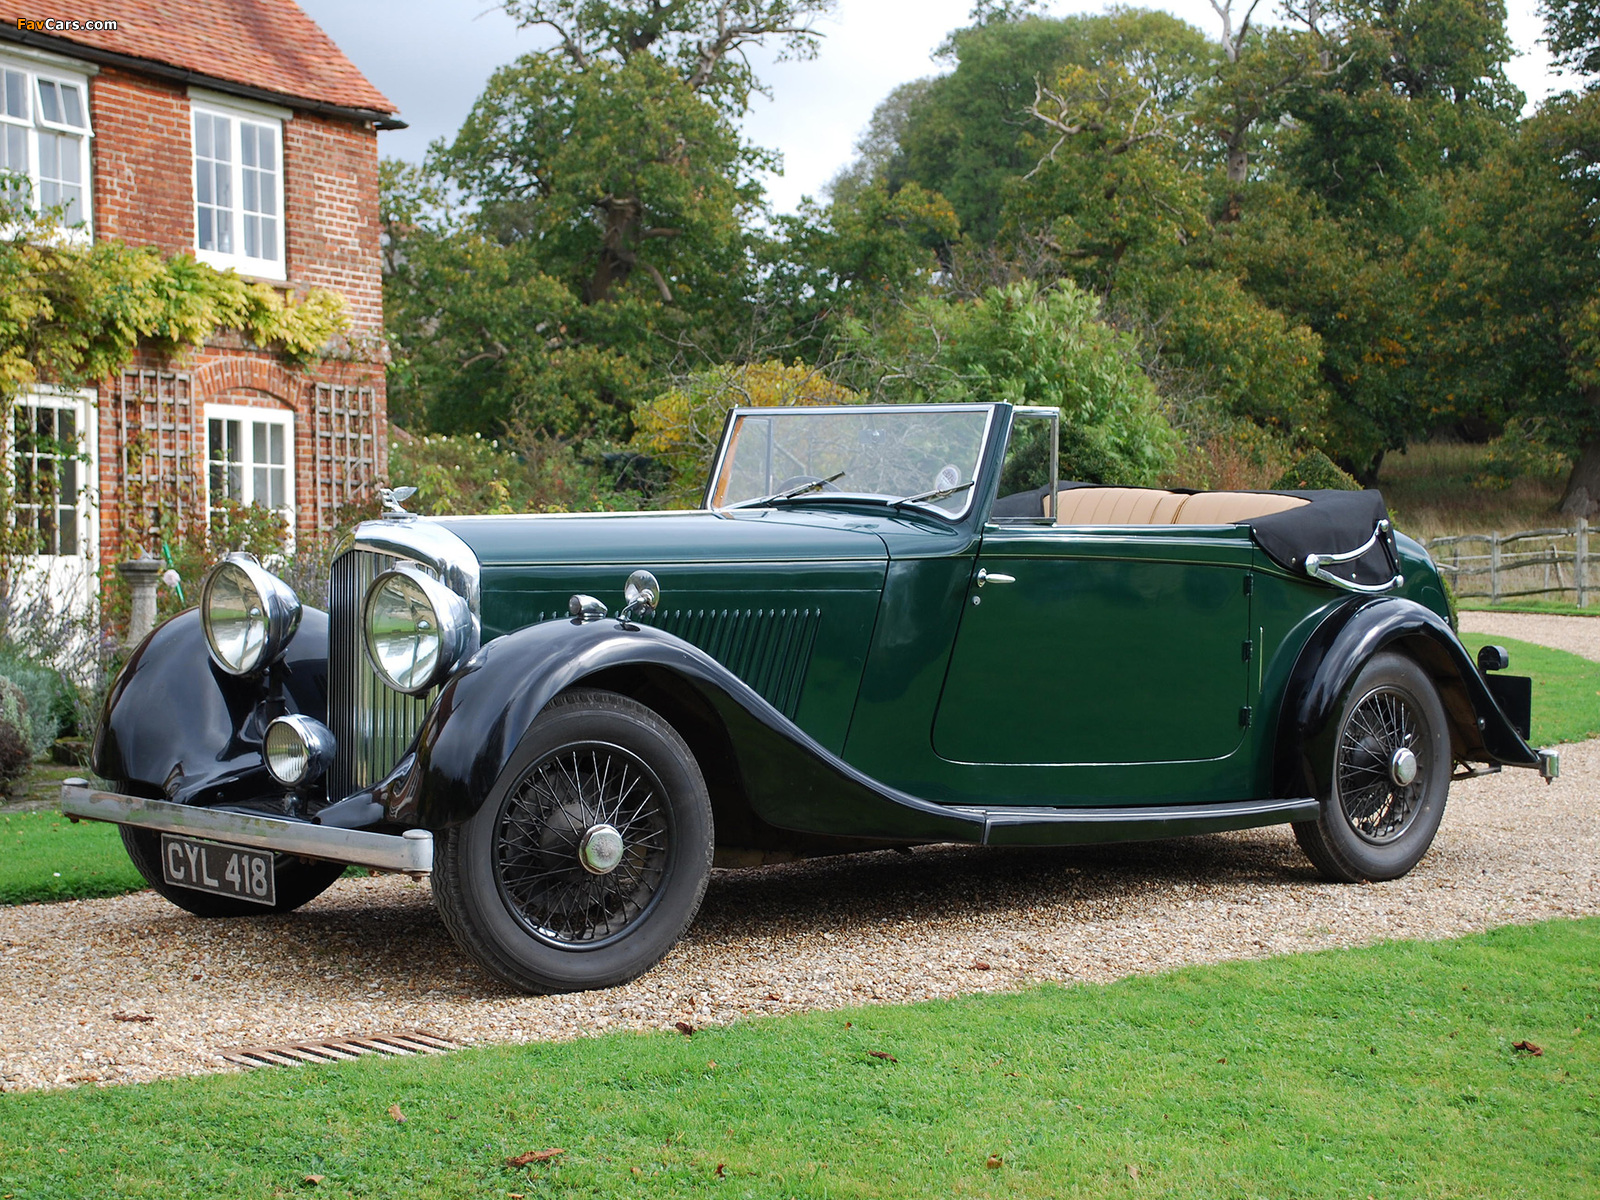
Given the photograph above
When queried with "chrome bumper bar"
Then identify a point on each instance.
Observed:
(411, 851)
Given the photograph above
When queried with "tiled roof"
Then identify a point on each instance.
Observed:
(268, 44)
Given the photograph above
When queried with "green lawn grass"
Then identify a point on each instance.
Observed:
(1566, 688)
(1551, 607)
(43, 856)
(1386, 1072)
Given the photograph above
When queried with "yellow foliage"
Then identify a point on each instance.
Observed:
(682, 427)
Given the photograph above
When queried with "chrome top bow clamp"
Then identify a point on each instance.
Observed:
(1382, 535)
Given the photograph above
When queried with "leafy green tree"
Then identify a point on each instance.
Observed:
(1028, 345)
(965, 136)
(590, 224)
(1572, 31)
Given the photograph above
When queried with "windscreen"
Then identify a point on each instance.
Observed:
(877, 453)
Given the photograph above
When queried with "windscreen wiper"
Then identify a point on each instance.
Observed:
(815, 485)
(936, 494)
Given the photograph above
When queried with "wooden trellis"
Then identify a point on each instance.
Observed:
(156, 439)
(344, 448)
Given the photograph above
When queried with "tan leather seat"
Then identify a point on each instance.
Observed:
(1224, 508)
(1116, 506)
(1152, 506)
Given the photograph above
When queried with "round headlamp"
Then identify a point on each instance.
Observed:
(417, 629)
(298, 749)
(248, 613)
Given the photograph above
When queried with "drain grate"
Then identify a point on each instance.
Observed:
(395, 1045)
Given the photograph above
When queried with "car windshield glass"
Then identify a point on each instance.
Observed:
(797, 456)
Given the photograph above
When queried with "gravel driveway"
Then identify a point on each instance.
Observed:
(1577, 635)
(370, 957)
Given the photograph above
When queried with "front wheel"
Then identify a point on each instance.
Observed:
(1385, 778)
(589, 858)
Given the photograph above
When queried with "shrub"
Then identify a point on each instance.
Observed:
(46, 697)
(15, 749)
(681, 428)
(524, 472)
(1315, 471)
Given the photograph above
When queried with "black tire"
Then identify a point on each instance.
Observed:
(1373, 826)
(510, 884)
(298, 880)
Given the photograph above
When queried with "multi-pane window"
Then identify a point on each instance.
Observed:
(238, 190)
(47, 473)
(250, 457)
(44, 141)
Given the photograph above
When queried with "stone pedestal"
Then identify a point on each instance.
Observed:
(142, 575)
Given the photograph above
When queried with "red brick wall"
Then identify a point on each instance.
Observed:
(331, 202)
(143, 161)
(144, 194)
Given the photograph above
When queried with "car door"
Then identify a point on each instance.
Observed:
(1111, 645)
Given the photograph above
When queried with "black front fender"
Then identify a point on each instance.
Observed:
(176, 727)
(468, 749)
(1342, 645)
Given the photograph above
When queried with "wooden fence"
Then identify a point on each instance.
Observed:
(1535, 562)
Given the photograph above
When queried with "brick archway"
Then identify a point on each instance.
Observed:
(262, 376)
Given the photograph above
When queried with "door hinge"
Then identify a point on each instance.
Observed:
(1249, 648)
(1244, 717)
(1248, 582)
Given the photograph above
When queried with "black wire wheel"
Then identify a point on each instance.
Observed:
(588, 858)
(1385, 775)
(581, 850)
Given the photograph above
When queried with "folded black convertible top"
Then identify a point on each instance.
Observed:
(1333, 523)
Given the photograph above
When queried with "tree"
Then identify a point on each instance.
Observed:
(965, 136)
(1028, 345)
(1572, 31)
(590, 224)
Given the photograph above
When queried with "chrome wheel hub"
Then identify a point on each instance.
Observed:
(1403, 766)
(600, 849)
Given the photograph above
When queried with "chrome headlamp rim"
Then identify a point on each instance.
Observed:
(316, 741)
(452, 625)
(280, 614)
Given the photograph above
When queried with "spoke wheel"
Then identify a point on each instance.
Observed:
(1385, 778)
(1377, 779)
(589, 855)
(582, 847)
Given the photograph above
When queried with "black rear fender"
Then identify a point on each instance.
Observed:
(1330, 660)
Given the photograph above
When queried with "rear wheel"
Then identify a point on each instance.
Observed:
(590, 857)
(1386, 776)
(298, 880)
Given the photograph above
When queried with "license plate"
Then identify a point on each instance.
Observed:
(222, 870)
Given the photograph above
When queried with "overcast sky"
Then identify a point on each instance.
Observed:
(432, 59)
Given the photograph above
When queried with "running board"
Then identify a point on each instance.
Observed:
(1078, 826)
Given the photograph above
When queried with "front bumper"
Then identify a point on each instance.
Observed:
(411, 851)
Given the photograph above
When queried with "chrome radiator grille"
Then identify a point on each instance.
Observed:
(374, 724)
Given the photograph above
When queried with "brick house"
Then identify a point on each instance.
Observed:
(237, 131)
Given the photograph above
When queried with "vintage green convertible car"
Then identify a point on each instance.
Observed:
(886, 626)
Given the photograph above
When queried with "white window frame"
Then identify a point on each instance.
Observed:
(239, 113)
(82, 404)
(34, 125)
(247, 416)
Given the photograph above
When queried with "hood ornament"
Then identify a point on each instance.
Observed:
(393, 498)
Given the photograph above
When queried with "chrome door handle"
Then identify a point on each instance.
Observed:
(994, 577)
